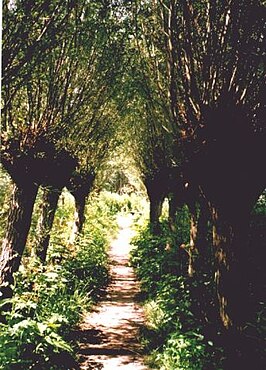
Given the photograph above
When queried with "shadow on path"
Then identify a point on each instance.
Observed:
(109, 336)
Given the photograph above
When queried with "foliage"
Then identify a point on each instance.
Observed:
(123, 203)
(118, 174)
(72, 73)
(174, 303)
(260, 206)
(158, 256)
(151, 260)
(48, 300)
(192, 98)
(87, 270)
(26, 341)
(182, 352)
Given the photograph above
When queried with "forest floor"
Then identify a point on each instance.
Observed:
(109, 336)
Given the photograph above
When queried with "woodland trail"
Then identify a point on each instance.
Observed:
(109, 336)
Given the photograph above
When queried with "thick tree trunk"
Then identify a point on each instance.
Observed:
(80, 203)
(30, 162)
(231, 276)
(193, 225)
(18, 225)
(156, 204)
(157, 189)
(173, 207)
(203, 261)
(192, 243)
(79, 217)
(80, 186)
(202, 231)
(45, 223)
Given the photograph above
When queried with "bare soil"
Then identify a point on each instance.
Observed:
(109, 336)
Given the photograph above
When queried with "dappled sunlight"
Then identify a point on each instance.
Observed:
(109, 336)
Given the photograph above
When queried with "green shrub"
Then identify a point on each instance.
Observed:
(115, 203)
(88, 269)
(174, 303)
(30, 342)
(154, 257)
(182, 351)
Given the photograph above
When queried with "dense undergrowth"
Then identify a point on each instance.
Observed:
(174, 334)
(49, 299)
(183, 329)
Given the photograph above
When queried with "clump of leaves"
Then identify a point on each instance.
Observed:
(30, 341)
(88, 269)
(182, 351)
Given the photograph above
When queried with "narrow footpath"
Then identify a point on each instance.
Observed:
(109, 337)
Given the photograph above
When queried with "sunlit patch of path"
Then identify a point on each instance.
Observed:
(109, 336)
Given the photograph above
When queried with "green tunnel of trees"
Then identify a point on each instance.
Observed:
(176, 85)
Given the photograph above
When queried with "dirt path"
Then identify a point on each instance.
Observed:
(109, 335)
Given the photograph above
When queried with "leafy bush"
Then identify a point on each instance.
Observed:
(88, 269)
(183, 351)
(31, 342)
(45, 307)
(122, 203)
(154, 257)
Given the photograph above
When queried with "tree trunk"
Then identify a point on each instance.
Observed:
(173, 207)
(201, 240)
(202, 230)
(192, 243)
(45, 223)
(18, 225)
(231, 276)
(31, 162)
(79, 217)
(193, 225)
(156, 205)
(80, 186)
(157, 189)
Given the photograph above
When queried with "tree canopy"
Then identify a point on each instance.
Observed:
(175, 87)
